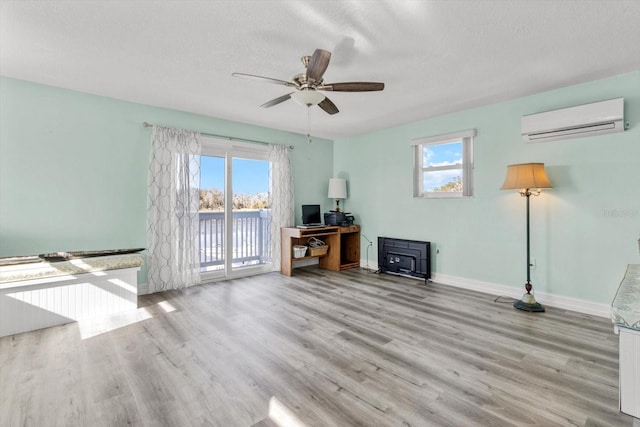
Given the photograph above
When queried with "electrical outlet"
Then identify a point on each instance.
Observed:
(532, 264)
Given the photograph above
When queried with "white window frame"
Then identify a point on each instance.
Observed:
(419, 168)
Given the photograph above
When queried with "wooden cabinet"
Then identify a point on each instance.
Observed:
(343, 251)
(349, 247)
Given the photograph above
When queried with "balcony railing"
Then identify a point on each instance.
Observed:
(251, 238)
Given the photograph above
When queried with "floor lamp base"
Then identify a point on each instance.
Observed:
(528, 303)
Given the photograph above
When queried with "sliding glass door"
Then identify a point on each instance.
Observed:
(251, 233)
(235, 216)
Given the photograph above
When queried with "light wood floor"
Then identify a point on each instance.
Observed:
(324, 348)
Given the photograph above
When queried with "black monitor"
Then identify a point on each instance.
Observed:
(311, 215)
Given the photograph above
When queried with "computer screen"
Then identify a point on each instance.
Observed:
(311, 214)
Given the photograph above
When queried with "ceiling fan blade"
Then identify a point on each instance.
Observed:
(276, 101)
(318, 65)
(352, 87)
(264, 79)
(328, 106)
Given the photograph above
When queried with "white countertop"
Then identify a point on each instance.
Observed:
(625, 309)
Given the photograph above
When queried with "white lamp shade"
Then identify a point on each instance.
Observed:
(307, 97)
(337, 188)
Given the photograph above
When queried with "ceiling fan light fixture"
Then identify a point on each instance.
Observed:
(308, 97)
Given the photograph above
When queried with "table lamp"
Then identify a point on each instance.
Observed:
(337, 190)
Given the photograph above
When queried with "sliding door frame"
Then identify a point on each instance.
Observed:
(229, 150)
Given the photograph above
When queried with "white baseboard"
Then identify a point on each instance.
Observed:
(143, 288)
(552, 300)
(368, 264)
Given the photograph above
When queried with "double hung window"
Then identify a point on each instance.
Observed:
(444, 165)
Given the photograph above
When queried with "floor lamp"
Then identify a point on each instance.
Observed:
(529, 179)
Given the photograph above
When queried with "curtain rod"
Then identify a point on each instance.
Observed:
(230, 138)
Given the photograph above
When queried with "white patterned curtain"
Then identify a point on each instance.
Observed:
(172, 210)
(281, 197)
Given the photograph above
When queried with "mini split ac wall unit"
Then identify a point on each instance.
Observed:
(593, 119)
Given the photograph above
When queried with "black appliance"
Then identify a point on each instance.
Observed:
(404, 257)
(338, 218)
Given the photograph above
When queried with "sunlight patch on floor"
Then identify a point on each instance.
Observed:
(281, 415)
(92, 327)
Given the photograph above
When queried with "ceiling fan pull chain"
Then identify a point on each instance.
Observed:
(309, 124)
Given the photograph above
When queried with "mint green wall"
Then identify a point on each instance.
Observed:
(73, 167)
(73, 176)
(584, 230)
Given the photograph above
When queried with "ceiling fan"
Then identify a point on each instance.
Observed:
(309, 84)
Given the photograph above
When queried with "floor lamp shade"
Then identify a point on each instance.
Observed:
(524, 176)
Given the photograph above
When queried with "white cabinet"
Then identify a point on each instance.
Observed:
(39, 295)
(630, 371)
(625, 314)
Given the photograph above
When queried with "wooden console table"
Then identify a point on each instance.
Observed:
(343, 242)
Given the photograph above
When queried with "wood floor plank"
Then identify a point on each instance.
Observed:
(332, 349)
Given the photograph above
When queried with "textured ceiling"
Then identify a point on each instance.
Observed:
(435, 57)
